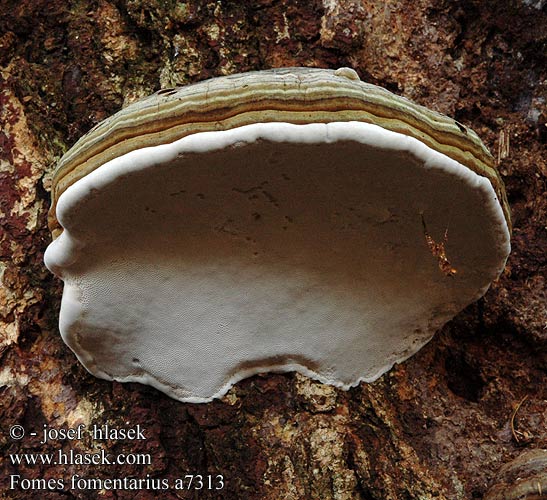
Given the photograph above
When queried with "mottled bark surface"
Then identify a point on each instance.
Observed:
(438, 426)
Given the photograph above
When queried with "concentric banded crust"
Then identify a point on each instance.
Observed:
(290, 95)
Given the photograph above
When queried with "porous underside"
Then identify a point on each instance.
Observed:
(270, 247)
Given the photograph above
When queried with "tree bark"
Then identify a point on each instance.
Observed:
(438, 426)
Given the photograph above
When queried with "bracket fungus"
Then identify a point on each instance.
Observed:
(524, 478)
(289, 219)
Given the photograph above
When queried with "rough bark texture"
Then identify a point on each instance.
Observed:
(438, 426)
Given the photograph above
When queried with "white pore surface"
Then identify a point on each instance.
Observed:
(270, 247)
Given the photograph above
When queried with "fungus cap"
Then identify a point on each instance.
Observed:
(290, 219)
